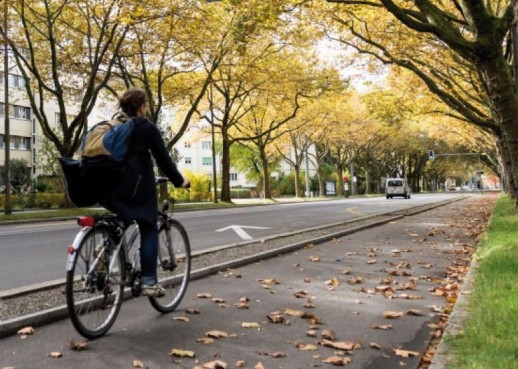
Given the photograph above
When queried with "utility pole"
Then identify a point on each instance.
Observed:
(7, 138)
(214, 174)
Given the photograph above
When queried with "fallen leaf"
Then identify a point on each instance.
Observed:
(204, 295)
(307, 347)
(181, 353)
(77, 345)
(333, 282)
(181, 318)
(259, 366)
(55, 354)
(393, 314)
(337, 360)
(415, 312)
(242, 305)
(205, 340)
(372, 261)
(293, 312)
(345, 346)
(311, 333)
(300, 294)
(276, 317)
(192, 311)
(269, 281)
(216, 364)
(240, 364)
(216, 334)
(384, 327)
(314, 258)
(405, 353)
(26, 331)
(250, 325)
(218, 300)
(374, 345)
(329, 334)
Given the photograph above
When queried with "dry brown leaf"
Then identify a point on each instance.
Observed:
(54, 354)
(244, 299)
(384, 327)
(240, 364)
(242, 305)
(393, 314)
(259, 366)
(333, 282)
(216, 334)
(269, 282)
(300, 294)
(181, 353)
(205, 340)
(251, 325)
(26, 331)
(77, 345)
(307, 347)
(181, 318)
(311, 333)
(276, 317)
(374, 345)
(205, 295)
(314, 258)
(294, 312)
(192, 311)
(345, 346)
(372, 261)
(329, 334)
(405, 353)
(415, 312)
(216, 364)
(337, 360)
(218, 300)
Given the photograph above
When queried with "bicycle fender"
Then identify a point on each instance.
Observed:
(72, 254)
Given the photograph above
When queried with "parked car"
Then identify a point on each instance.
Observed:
(397, 187)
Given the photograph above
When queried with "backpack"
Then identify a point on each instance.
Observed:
(103, 161)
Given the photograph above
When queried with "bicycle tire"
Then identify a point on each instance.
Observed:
(94, 296)
(174, 281)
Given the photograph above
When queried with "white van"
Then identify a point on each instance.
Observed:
(397, 187)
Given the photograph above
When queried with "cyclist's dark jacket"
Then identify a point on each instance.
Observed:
(135, 196)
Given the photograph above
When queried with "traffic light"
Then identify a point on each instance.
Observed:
(431, 155)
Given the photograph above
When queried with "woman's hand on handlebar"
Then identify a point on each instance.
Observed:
(186, 183)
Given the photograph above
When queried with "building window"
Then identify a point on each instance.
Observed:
(205, 145)
(206, 161)
(233, 176)
(186, 144)
(2, 143)
(17, 143)
(188, 160)
(25, 143)
(14, 81)
(16, 111)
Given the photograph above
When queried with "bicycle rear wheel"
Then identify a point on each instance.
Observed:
(174, 266)
(95, 284)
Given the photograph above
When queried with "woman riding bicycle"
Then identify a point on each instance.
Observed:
(134, 196)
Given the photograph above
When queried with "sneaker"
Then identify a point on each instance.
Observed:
(155, 290)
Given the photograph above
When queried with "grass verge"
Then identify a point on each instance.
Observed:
(490, 337)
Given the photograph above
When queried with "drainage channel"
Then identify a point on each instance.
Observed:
(45, 303)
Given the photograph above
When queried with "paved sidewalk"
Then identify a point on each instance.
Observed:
(344, 287)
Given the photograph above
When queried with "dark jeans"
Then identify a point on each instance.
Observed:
(148, 250)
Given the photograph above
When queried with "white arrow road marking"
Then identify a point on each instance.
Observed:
(240, 232)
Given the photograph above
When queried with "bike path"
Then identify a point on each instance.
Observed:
(338, 284)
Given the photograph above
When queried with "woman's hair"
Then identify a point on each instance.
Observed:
(132, 100)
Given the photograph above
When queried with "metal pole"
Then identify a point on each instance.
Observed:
(7, 138)
(308, 192)
(214, 174)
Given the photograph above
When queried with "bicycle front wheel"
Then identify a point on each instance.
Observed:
(174, 265)
(95, 284)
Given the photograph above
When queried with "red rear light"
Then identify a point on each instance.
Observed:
(86, 221)
(70, 249)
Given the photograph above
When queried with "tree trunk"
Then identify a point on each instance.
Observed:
(502, 92)
(340, 191)
(266, 174)
(225, 170)
(298, 191)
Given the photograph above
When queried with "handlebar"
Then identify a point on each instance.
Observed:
(165, 180)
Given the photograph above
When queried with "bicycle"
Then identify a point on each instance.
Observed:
(102, 267)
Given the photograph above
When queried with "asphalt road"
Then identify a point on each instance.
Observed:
(347, 286)
(35, 253)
